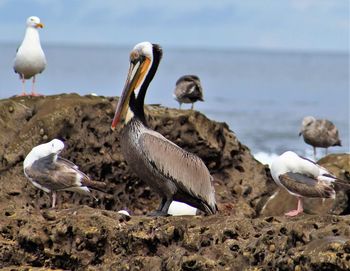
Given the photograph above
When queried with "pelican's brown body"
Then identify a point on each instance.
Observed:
(172, 172)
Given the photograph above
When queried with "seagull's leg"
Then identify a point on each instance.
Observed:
(326, 151)
(23, 85)
(314, 153)
(192, 106)
(54, 196)
(33, 88)
(180, 105)
(299, 209)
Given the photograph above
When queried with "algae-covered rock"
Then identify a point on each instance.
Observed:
(88, 234)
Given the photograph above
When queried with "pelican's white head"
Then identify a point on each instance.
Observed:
(55, 146)
(34, 21)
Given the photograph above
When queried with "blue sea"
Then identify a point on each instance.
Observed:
(261, 95)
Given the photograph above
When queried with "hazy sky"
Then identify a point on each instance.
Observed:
(266, 24)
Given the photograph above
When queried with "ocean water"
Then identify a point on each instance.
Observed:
(261, 95)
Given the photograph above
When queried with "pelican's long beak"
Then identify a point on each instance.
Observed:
(136, 75)
(39, 25)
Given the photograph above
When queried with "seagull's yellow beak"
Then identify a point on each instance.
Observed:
(39, 25)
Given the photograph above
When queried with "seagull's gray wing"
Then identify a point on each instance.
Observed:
(52, 175)
(306, 186)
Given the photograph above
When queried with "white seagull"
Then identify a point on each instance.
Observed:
(319, 133)
(51, 173)
(30, 58)
(304, 178)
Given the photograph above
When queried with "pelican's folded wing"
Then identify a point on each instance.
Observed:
(185, 169)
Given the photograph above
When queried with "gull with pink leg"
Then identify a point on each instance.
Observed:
(303, 178)
(30, 58)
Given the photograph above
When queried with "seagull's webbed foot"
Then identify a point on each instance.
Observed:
(293, 213)
(299, 210)
(35, 94)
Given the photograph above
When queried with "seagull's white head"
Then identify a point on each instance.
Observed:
(34, 21)
(55, 146)
(291, 162)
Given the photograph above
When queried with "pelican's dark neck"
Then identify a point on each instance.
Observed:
(137, 103)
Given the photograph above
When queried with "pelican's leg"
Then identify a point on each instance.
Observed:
(180, 105)
(192, 106)
(54, 196)
(163, 208)
(298, 210)
(166, 206)
(326, 151)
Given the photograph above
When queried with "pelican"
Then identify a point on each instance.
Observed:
(30, 58)
(319, 133)
(172, 172)
(51, 173)
(304, 178)
(188, 90)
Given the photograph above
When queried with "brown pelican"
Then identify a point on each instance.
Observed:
(304, 178)
(51, 173)
(188, 90)
(172, 172)
(319, 133)
(30, 58)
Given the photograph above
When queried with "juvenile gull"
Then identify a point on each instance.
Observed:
(188, 90)
(30, 58)
(319, 133)
(304, 178)
(51, 173)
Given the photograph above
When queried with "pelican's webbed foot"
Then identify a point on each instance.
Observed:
(158, 213)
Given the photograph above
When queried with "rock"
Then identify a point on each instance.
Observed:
(84, 234)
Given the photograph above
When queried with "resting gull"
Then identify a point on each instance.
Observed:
(319, 133)
(188, 90)
(178, 208)
(30, 58)
(304, 178)
(51, 173)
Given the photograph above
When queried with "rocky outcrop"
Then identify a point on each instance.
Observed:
(85, 234)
